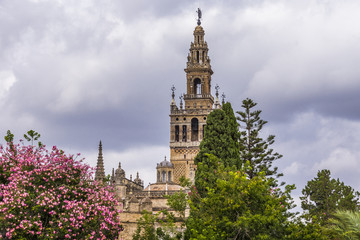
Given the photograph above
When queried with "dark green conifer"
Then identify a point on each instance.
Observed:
(221, 137)
(253, 148)
(220, 140)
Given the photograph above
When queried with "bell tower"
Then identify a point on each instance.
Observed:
(187, 122)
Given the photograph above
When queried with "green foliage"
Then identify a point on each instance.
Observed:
(32, 136)
(345, 225)
(221, 140)
(159, 226)
(9, 137)
(323, 195)
(237, 207)
(178, 203)
(253, 148)
(302, 229)
(220, 137)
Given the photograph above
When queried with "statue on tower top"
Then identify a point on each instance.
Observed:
(199, 16)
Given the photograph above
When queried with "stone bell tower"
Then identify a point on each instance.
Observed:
(187, 122)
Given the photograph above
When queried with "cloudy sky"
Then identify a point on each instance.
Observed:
(80, 71)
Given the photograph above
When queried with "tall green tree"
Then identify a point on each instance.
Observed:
(253, 148)
(221, 137)
(221, 140)
(323, 195)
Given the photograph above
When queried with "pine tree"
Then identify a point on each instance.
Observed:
(323, 195)
(254, 149)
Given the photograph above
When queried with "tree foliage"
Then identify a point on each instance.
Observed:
(345, 225)
(237, 207)
(323, 195)
(253, 148)
(221, 140)
(46, 194)
(221, 137)
(159, 226)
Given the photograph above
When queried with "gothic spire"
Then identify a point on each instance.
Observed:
(100, 171)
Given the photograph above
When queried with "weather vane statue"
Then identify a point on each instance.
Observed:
(199, 16)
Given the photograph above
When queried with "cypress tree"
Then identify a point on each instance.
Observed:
(220, 140)
(221, 137)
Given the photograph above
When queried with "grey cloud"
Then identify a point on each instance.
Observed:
(87, 71)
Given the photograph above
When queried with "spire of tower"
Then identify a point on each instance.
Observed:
(100, 171)
(217, 102)
(173, 103)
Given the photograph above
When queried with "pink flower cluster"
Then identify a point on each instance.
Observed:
(49, 195)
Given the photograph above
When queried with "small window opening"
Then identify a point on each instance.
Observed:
(169, 176)
(184, 130)
(176, 133)
(197, 56)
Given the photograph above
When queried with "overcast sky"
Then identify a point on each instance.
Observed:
(81, 71)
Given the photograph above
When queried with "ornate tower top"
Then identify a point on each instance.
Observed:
(100, 171)
(198, 72)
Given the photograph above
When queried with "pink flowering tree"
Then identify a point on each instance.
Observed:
(50, 195)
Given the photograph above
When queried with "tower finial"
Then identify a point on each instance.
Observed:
(199, 16)
(217, 90)
(173, 91)
(223, 98)
(181, 102)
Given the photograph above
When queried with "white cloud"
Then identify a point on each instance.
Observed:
(340, 161)
(293, 169)
(7, 80)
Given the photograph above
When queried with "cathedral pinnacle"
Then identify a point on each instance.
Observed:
(100, 171)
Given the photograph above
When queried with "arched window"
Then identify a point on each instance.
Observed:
(163, 176)
(169, 176)
(197, 56)
(194, 129)
(197, 86)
